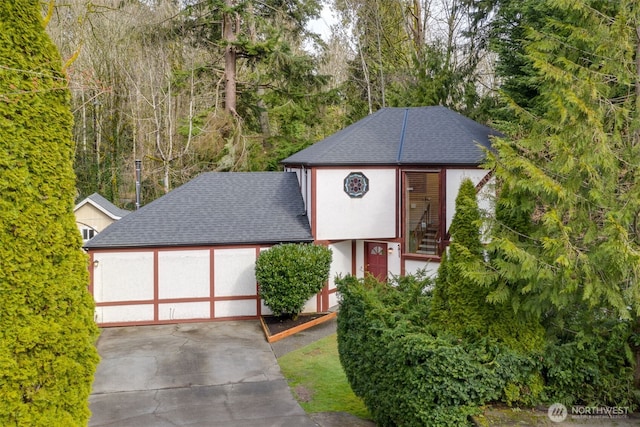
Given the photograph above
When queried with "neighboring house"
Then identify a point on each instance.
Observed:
(380, 193)
(94, 214)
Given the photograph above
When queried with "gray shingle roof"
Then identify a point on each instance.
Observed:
(106, 206)
(216, 208)
(402, 136)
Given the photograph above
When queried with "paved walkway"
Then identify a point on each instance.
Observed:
(195, 374)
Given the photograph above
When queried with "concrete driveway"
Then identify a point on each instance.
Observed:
(195, 374)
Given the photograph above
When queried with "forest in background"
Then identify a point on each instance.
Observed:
(189, 86)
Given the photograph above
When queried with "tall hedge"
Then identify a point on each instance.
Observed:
(409, 373)
(47, 332)
(289, 274)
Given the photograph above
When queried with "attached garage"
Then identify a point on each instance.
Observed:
(190, 255)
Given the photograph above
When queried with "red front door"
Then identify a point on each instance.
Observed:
(376, 259)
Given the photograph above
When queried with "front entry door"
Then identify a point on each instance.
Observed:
(376, 259)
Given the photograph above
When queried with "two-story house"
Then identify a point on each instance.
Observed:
(380, 193)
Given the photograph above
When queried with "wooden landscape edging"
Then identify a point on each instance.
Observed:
(288, 332)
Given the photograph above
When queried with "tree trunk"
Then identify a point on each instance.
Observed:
(264, 120)
(230, 26)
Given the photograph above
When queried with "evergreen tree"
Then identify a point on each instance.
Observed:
(569, 170)
(458, 303)
(467, 307)
(47, 353)
(575, 162)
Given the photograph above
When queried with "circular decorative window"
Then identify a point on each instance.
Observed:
(356, 184)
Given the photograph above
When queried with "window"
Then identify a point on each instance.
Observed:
(423, 228)
(356, 184)
(88, 233)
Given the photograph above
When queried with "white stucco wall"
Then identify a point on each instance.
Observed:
(123, 276)
(454, 179)
(124, 284)
(124, 313)
(339, 216)
(412, 267)
(234, 272)
(235, 308)
(340, 261)
(184, 310)
(304, 180)
(183, 274)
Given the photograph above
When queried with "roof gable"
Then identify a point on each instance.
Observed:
(103, 205)
(418, 135)
(216, 208)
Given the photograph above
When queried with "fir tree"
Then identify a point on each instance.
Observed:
(47, 353)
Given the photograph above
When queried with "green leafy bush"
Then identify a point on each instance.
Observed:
(592, 369)
(289, 274)
(47, 332)
(411, 374)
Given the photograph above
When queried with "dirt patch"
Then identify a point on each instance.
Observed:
(339, 419)
(303, 393)
(277, 325)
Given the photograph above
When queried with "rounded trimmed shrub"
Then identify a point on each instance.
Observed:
(289, 274)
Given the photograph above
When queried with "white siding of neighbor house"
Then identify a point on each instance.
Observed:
(88, 215)
(339, 216)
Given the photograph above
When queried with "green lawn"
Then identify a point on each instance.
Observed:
(318, 381)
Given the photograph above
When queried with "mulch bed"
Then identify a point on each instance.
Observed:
(277, 325)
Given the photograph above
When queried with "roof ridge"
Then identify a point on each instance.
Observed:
(402, 134)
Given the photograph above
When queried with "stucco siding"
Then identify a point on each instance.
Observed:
(234, 272)
(183, 274)
(167, 285)
(340, 261)
(184, 311)
(137, 313)
(372, 216)
(413, 266)
(235, 308)
(123, 276)
(454, 179)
